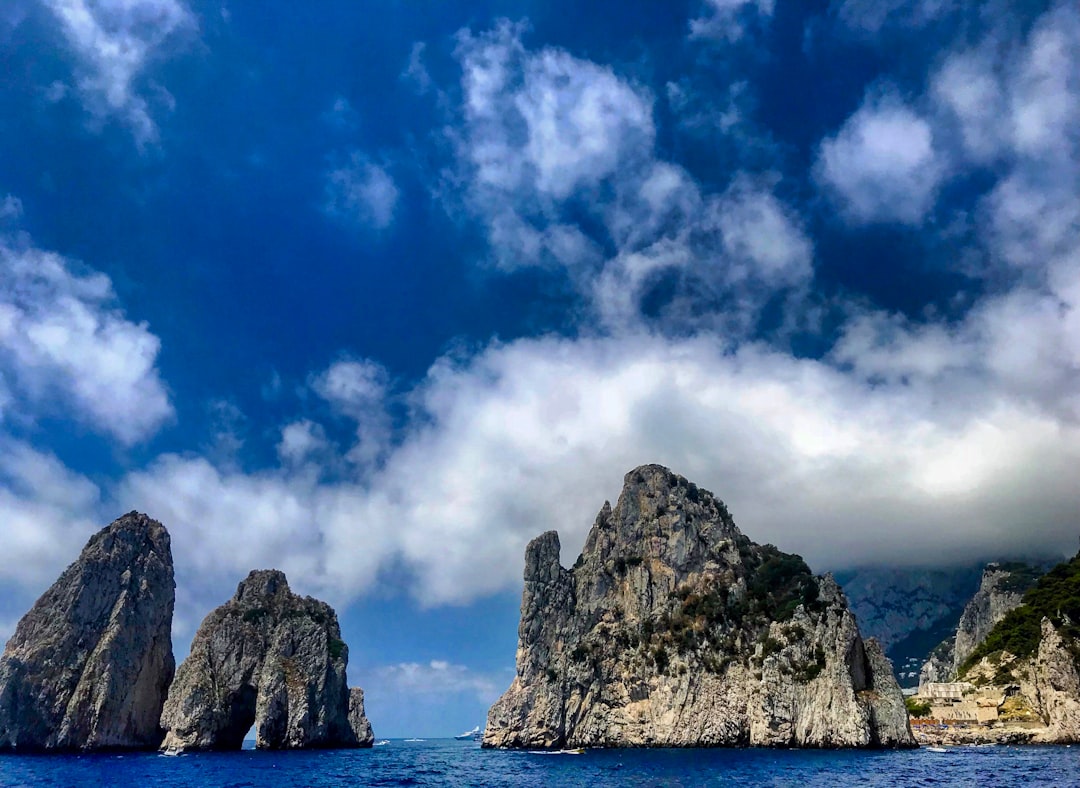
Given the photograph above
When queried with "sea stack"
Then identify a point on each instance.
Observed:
(271, 658)
(674, 630)
(89, 666)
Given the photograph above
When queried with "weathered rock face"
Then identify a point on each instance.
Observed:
(358, 721)
(1053, 685)
(89, 666)
(939, 665)
(674, 629)
(270, 658)
(1001, 589)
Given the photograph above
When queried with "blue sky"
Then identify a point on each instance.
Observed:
(375, 293)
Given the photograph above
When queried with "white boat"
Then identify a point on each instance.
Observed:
(473, 734)
(382, 742)
(414, 740)
(172, 751)
(936, 749)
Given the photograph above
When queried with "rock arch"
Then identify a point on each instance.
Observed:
(271, 658)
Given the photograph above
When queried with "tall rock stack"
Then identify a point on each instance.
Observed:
(89, 665)
(674, 630)
(267, 658)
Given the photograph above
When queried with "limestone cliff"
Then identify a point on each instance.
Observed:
(1031, 657)
(1001, 589)
(1053, 684)
(674, 629)
(270, 658)
(90, 663)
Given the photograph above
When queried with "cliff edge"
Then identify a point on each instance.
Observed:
(674, 630)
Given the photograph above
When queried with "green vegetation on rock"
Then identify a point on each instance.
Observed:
(917, 708)
(1056, 595)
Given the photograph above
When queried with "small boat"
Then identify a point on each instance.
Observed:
(414, 740)
(936, 749)
(172, 751)
(473, 734)
(574, 751)
(381, 742)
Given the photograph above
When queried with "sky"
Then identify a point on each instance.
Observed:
(374, 293)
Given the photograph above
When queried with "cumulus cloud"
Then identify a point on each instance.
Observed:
(65, 347)
(362, 192)
(115, 41)
(882, 165)
(868, 17)
(829, 458)
(358, 390)
(729, 19)
(548, 138)
(300, 440)
(909, 431)
(1022, 104)
(543, 124)
(47, 509)
(437, 677)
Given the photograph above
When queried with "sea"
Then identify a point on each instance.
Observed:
(446, 762)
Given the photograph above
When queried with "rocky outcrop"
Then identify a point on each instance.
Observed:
(271, 659)
(1031, 659)
(938, 666)
(358, 721)
(674, 629)
(89, 666)
(1053, 685)
(1001, 589)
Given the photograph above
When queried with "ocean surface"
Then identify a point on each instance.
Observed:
(442, 762)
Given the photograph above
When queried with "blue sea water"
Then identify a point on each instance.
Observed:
(452, 763)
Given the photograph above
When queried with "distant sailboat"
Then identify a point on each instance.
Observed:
(473, 734)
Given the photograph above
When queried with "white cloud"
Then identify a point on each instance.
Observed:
(545, 124)
(10, 208)
(115, 41)
(63, 341)
(724, 255)
(352, 387)
(882, 165)
(362, 192)
(47, 510)
(548, 138)
(727, 19)
(300, 440)
(359, 390)
(437, 677)
(416, 72)
(868, 17)
(861, 457)
(1022, 103)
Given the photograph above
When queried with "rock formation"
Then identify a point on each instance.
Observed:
(1031, 657)
(674, 629)
(89, 666)
(1052, 682)
(1001, 589)
(270, 658)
